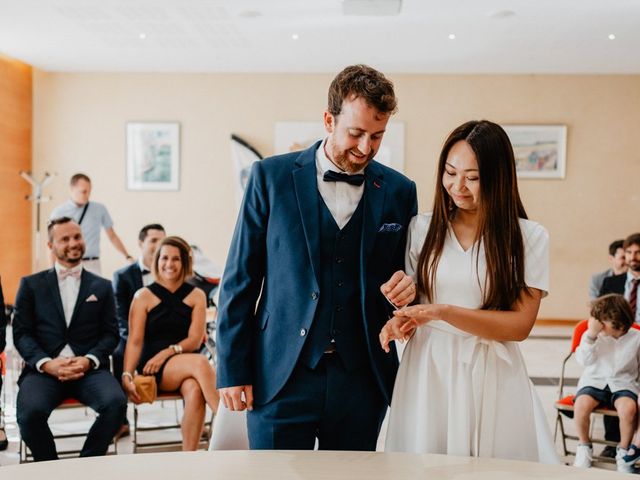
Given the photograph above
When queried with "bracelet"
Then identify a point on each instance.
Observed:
(127, 375)
(177, 349)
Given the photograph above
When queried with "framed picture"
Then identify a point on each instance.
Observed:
(294, 136)
(540, 150)
(153, 156)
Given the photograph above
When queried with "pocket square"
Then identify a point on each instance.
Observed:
(91, 298)
(389, 227)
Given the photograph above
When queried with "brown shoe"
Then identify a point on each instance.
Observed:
(123, 432)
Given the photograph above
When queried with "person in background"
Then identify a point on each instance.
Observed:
(625, 284)
(4, 443)
(65, 328)
(618, 266)
(126, 282)
(609, 351)
(166, 328)
(91, 216)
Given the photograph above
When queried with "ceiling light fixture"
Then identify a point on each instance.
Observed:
(295, 36)
(142, 36)
(612, 36)
(452, 36)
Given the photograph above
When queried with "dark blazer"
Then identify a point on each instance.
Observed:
(39, 326)
(613, 284)
(126, 282)
(270, 291)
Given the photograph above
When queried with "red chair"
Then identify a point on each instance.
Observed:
(564, 404)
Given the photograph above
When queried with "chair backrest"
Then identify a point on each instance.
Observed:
(579, 330)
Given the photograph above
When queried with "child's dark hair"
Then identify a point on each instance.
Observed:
(615, 309)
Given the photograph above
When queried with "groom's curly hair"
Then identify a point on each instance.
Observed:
(362, 81)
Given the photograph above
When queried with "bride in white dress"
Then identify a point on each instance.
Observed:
(481, 269)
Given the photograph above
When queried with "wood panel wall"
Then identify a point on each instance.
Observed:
(15, 155)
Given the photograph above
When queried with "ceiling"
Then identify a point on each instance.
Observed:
(491, 36)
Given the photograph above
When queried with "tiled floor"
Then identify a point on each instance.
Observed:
(543, 351)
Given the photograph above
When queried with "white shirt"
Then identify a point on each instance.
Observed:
(69, 289)
(627, 293)
(610, 361)
(147, 278)
(341, 198)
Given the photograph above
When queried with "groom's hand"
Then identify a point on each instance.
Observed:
(237, 398)
(399, 289)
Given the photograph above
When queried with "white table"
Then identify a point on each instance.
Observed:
(286, 465)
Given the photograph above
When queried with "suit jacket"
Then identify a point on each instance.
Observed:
(39, 326)
(269, 291)
(613, 284)
(126, 282)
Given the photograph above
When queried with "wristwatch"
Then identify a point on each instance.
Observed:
(177, 349)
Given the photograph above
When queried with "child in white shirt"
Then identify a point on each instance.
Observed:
(610, 352)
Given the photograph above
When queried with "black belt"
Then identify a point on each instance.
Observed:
(91, 258)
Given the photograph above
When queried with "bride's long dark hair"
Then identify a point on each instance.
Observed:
(499, 208)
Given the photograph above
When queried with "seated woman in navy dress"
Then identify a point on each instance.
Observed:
(166, 328)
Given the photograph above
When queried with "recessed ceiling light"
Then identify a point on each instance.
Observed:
(452, 36)
(502, 14)
(142, 36)
(250, 14)
(295, 36)
(612, 36)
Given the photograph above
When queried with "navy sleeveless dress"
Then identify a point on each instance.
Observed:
(167, 323)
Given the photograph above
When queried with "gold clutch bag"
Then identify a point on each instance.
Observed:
(146, 387)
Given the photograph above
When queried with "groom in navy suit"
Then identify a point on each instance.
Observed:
(64, 328)
(319, 232)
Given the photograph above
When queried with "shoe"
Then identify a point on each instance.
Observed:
(621, 465)
(584, 456)
(4, 442)
(609, 452)
(631, 457)
(123, 432)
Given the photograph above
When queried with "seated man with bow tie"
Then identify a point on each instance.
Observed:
(65, 329)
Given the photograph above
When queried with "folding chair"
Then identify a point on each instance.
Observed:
(564, 404)
(139, 445)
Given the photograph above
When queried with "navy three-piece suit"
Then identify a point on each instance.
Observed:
(39, 331)
(301, 308)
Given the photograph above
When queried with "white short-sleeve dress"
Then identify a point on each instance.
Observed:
(460, 394)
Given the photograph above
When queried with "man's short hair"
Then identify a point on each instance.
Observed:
(613, 248)
(362, 81)
(56, 221)
(633, 239)
(77, 177)
(144, 231)
(614, 308)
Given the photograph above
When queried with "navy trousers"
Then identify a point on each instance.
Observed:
(40, 394)
(343, 409)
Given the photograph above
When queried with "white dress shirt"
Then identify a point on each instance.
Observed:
(69, 289)
(147, 278)
(610, 361)
(341, 198)
(627, 294)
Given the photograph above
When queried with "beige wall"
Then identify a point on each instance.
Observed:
(79, 125)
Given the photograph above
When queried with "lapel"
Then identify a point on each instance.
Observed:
(52, 281)
(374, 194)
(306, 188)
(83, 293)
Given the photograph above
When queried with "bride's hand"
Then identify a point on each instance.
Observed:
(417, 315)
(392, 330)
